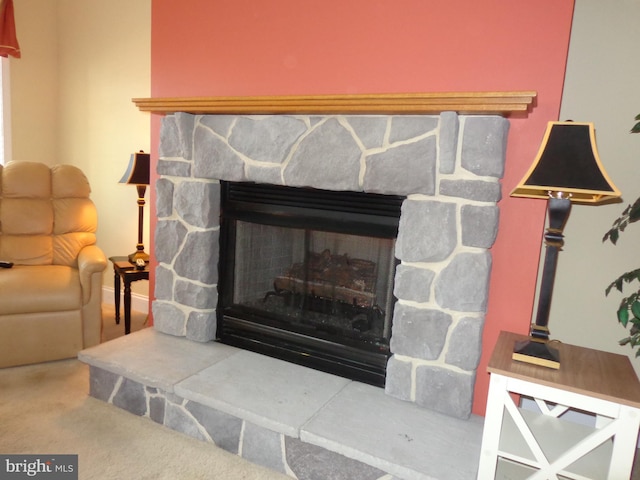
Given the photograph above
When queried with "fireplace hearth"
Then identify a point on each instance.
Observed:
(446, 168)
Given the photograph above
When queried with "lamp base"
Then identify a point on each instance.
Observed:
(138, 255)
(537, 352)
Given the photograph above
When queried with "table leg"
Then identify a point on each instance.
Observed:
(492, 427)
(116, 294)
(624, 444)
(127, 307)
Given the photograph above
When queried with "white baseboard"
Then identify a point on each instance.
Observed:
(139, 303)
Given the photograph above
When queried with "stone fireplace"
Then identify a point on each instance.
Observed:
(447, 165)
(320, 426)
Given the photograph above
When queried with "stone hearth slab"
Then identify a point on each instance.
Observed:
(364, 423)
(154, 359)
(270, 393)
(280, 407)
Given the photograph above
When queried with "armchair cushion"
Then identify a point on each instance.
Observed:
(51, 288)
(46, 216)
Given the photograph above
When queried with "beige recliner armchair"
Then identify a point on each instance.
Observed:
(50, 300)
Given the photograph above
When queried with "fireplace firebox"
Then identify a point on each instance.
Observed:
(306, 275)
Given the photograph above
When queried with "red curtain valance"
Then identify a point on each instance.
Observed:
(8, 40)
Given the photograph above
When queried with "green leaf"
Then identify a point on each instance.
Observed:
(623, 316)
(608, 289)
(614, 235)
(632, 275)
(634, 211)
(635, 309)
(618, 283)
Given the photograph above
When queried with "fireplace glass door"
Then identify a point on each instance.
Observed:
(310, 281)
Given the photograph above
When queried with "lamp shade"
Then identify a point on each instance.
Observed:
(568, 163)
(138, 169)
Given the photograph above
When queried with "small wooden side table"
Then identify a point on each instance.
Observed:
(540, 441)
(127, 272)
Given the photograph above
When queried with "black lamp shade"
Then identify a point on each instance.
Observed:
(138, 169)
(568, 162)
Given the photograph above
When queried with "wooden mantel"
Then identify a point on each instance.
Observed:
(501, 103)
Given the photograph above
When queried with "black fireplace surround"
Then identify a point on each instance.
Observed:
(292, 283)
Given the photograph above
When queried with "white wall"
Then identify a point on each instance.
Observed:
(34, 83)
(601, 86)
(82, 63)
(104, 61)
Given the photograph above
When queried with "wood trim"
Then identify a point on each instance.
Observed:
(502, 103)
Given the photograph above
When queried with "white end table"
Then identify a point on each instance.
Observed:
(544, 442)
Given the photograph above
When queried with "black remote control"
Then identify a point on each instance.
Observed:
(6, 264)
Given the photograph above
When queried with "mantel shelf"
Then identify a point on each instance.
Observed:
(501, 103)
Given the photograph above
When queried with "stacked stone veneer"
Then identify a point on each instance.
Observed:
(447, 165)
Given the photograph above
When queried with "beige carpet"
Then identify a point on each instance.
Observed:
(45, 409)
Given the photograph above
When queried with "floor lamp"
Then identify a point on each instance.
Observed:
(566, 170)
(138, 174)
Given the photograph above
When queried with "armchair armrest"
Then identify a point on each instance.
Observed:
(91, 259)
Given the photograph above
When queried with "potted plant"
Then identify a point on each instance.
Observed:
(628, 312)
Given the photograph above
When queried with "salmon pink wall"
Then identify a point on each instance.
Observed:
(253, 47)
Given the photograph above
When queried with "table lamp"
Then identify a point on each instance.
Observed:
(138, 174)
(566, 170)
